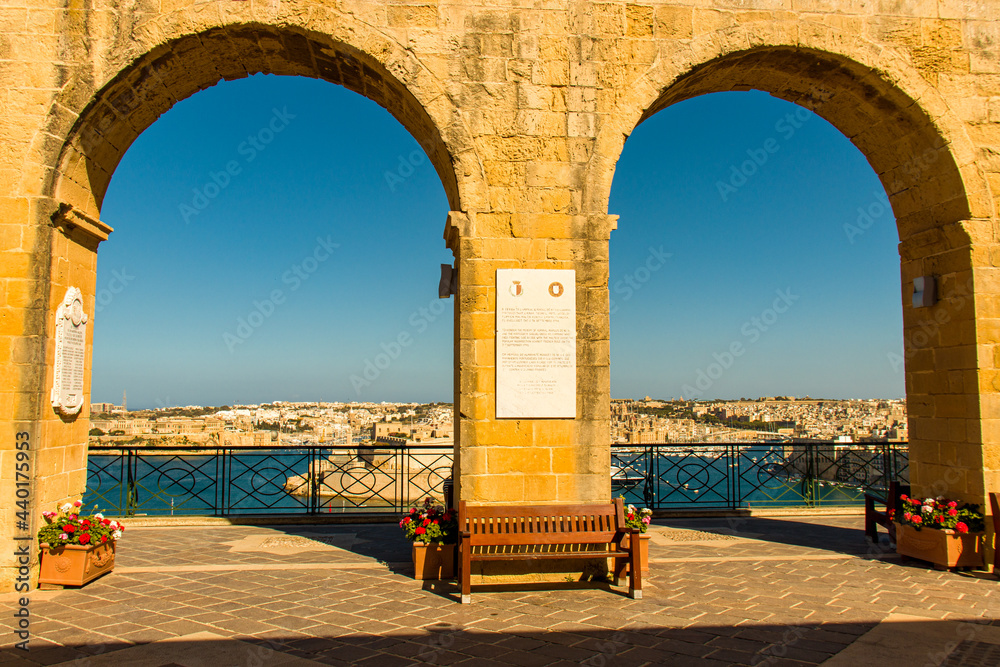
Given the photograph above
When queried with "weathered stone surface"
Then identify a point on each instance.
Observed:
(523, 113)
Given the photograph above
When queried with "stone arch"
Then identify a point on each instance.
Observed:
(916, 146)
(105, 104)
(926, 161)
(99, 126)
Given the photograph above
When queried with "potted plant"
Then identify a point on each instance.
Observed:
(76, 549)
(639, 519)
(434, 532)
(941, 531)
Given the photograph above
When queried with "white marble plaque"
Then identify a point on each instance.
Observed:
(536, 343)
(71, 351)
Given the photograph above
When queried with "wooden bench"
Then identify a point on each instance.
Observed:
(875, 517)
(537, 532)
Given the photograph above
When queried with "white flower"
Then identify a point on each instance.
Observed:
(927, 509)
(929, 501)
(65, 507)
(98, 516)
(116, 535)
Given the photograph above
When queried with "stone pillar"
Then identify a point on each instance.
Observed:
(530, 460)
(60, 251)
(952, 358)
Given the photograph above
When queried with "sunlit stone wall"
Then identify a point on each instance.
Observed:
(523, 112)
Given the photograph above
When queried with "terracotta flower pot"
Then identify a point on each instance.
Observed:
(941, 547)
(75, 565)
(433, 561)
(643, 551)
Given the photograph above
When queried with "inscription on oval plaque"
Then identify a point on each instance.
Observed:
(71, 351)
(536, 344)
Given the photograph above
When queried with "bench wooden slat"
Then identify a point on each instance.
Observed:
(486, 526)
(555, 554)
(482, 539)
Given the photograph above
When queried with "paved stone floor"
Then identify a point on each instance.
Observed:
(743, 591)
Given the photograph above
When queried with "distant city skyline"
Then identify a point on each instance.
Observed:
(755, 255)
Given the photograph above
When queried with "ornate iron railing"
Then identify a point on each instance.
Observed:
(223, 481)
(755, 474)
(131, 481)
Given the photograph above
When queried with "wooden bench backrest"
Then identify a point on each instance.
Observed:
(496, 525)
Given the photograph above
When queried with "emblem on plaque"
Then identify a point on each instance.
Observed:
(556, 289)
(515, 288)
(71, 352)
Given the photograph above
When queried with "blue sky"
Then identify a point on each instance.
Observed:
(292, 266)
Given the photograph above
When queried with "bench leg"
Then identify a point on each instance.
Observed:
(635, 569)
(619, 571)
(466, 572)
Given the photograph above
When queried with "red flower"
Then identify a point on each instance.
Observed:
(952, 504)
(85, 538)
(104, 538)
(406, 519)
(69, 528)
(105, 522)
(85, 523)
(904, 497)
(907, 516)
(961, 527)
(426, 522)
(953, 512)
(917, 518)
(419, 531)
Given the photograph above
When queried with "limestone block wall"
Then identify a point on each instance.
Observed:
(523, 110)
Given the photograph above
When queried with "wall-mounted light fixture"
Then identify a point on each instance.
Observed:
(924, 292)
(448, 284)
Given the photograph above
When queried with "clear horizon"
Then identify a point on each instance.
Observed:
(639, 399)
(755, 255)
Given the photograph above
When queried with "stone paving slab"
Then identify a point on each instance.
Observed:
(744, 591)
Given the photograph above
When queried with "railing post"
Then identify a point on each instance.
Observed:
(313, 472)
(733, 477)
(649, 484)
(132, 497)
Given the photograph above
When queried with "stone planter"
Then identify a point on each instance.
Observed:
(433, 561)
(75, 565)
(643, 551)
(945, 548)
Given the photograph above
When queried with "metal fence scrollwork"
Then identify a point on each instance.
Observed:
(367, 479)
(755, 474)
(157, 481)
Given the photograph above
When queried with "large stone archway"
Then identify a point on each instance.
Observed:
(523, 113)
(942, 204)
